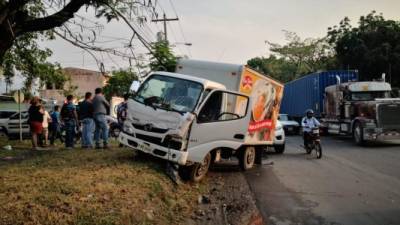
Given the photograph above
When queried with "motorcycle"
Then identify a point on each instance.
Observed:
(314, 142)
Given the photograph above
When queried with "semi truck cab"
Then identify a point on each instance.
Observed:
(364, 110)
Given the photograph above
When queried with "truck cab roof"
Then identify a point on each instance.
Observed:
(208, 84)
(362, 86)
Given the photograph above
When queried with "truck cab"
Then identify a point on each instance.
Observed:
(364, 110)
(189, 121)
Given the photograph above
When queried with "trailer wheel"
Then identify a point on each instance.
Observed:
(247, 158)
(358, 134)
(197, 171)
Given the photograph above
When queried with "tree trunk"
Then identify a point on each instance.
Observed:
(6, 40)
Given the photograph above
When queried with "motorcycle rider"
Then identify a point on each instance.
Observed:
(308, 123)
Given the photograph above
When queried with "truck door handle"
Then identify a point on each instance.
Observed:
(239, 136)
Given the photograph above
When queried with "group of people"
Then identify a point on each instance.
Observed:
(89, 117)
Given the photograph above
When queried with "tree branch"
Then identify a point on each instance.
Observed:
(52, 21)
(7, 9)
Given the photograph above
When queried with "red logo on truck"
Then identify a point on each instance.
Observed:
(247, 82)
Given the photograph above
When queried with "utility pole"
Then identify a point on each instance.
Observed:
(165, 20)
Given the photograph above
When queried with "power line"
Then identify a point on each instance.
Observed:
(165, 20)
(180, 27)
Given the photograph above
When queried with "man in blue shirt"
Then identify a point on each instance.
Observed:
(55, 125)
(308, 123)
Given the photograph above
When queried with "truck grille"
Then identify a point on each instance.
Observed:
(166, 143)
(389, 116)
(149, 128)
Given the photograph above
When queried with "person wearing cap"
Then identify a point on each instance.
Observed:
(308, 123)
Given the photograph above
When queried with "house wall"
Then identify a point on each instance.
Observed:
(84, 80)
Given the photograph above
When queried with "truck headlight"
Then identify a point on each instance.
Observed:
(278, 128)
(128, 128)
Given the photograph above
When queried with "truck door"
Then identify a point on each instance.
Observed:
(220, 123)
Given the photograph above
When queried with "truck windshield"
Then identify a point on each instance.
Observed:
(368, 96)
(169, 93)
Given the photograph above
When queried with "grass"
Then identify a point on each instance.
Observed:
(89, 187)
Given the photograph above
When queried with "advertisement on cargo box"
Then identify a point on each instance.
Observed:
(266, 94)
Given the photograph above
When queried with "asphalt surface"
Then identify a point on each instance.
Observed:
(349, 185)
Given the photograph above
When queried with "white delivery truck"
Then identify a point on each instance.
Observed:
(202, 113)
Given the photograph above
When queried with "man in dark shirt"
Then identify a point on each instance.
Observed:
(70, 120)
(86, 117)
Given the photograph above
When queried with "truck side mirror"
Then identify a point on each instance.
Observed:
(134, 86)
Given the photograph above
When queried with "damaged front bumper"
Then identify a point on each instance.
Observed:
(175, 156)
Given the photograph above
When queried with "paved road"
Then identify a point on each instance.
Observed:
(349, 185)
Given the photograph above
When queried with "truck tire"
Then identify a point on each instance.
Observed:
(279, 149)
(197, 171)
(358, 134)
(247, 158)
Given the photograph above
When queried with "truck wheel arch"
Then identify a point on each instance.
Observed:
(356, 120)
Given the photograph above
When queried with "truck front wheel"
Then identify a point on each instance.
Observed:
(197, 171)
(247, 158)
(358, 134)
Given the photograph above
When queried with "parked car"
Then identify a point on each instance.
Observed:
(12, 125)
(279, 140)
(4, 117)
(290, 126)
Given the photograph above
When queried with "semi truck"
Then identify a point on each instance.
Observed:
(364, 110)
(308, 92)
(202, 113)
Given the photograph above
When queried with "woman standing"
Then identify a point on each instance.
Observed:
(45, 125)
(35, 120)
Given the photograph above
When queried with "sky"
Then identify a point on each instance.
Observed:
(230, 31)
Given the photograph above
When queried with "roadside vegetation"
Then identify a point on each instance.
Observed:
(371, 47)
(89, 187)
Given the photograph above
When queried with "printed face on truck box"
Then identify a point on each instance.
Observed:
(266, 95)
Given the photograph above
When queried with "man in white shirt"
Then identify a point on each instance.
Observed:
(308, 123)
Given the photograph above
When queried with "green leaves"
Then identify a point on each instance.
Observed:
(119, 83)
(26, 57)
(296, 58)
(372, 48)
(162, 57)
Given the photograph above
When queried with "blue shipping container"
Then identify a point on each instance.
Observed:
(308, 92)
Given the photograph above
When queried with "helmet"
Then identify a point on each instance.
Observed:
(309, 112)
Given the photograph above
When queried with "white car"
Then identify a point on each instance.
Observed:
(12, 125)
(279, 140)
(290, 126)
(4, 118)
